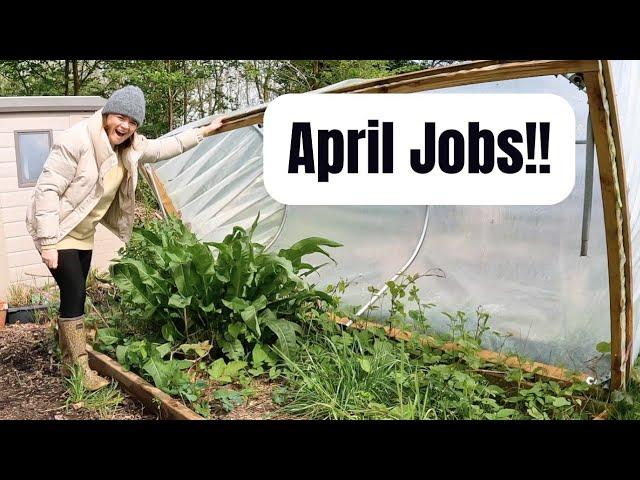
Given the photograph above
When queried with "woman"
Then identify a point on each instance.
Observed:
(88, 178)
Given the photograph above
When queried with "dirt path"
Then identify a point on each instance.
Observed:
(31, 387)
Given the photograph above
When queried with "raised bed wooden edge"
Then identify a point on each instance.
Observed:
(153, 398)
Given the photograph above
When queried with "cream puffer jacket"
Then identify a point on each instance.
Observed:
(70, 185)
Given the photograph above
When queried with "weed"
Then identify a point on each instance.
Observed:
(104, 401)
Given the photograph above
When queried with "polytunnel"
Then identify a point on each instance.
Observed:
(556, 280)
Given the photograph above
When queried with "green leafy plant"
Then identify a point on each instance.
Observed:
(231, 292)
(229, 399)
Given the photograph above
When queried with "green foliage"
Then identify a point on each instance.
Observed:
(291, 76)
(173, 89)
(223, 372)
(146, 204)
(365, 375)
(626, 404)
(155, 361)
(51, 77)
(231, 293)
(229, 399)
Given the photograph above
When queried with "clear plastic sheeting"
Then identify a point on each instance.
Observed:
(219, 184)
(626, 82)
(377, 241)
(522, 264)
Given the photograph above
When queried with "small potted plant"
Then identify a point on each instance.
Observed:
(25, 302)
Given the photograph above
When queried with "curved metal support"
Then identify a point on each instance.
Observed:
(284, 215)
(381, 292)
(280, 228)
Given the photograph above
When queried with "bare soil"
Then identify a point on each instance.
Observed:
(31, 387)
(259, 406)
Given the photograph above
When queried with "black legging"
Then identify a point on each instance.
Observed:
(71, 277)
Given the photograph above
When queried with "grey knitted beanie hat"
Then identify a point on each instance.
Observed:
(128, 101)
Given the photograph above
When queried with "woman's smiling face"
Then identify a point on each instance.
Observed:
(119, 128)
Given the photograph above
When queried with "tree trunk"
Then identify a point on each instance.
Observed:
(246, 93)
(219, 76)
(316, 74)
(211, 99)
(66, 77)
(169, 97)
(185, 97)
(76, 78)
(265, 83)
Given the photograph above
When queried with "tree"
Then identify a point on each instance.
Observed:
(32, 77)
(51, 77)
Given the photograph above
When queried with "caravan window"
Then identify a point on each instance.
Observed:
(32, 149)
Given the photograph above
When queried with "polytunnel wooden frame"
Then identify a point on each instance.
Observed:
(603, 111)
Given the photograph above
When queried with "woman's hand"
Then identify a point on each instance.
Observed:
(210, 129)
(50, 258)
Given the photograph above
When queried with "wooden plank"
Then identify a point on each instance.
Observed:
(626, 224)
(233, 123)
(152, 397)
(164, 197)
(536, 368)
(489, 73)
(419, 74)
(247, 112)
(599, 122)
